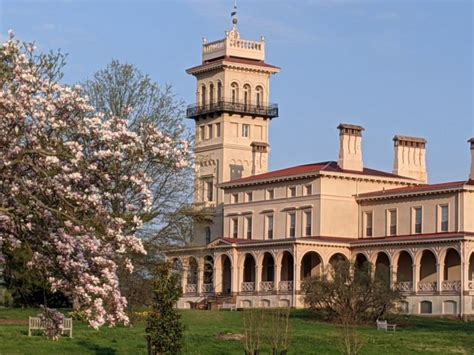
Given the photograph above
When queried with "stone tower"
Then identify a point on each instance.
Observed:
(232, 114)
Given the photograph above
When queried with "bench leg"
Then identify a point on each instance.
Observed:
(29, 332)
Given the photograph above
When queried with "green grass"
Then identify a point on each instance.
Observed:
(418, 336)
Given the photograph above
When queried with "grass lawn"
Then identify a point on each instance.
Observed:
(419, 336)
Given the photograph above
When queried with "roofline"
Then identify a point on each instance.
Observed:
(227, 62)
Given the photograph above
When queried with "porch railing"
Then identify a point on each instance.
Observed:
(285, 286)
(207, 288)
(470, 285)
(427, 286)
(451, 285)
(191, 288)
(266, 286)
(404, 286)
(248, 286)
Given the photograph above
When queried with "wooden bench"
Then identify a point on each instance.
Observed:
(231, 306)
(35, 323)
(383, 325)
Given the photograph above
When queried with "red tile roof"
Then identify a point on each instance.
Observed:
(329, 166)
(416, 189)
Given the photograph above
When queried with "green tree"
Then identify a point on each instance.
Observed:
(164, 328)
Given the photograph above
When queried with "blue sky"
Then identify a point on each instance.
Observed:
(393, 66)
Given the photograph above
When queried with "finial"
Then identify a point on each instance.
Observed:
(233, 14)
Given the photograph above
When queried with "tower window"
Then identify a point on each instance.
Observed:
(203, 95)
(246, 94)
(209, 131)
(202, 130)
(208, 235)
(368, 222)
(235, 198)
(249, 196)
(234, 93)
(211, 93)
(392, 222)
(248, 222)
(418, 219)
(258, 95)
(219, 91)
(218, 129)
(308, 223)
(308, 190)
(270, 194)
(444, 212)
(209, 191)
(245, 130)
(292, 191)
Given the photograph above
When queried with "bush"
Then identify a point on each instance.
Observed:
(164, 328)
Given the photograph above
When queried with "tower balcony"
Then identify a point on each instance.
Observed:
(196, 111)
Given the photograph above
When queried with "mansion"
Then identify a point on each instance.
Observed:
(272, 229)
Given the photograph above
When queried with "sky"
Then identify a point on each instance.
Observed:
(393, 66)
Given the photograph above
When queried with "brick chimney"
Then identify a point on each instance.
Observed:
(350, 149)
(471, 174)
(410, 158)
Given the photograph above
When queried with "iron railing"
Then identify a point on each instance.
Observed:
(267, 111)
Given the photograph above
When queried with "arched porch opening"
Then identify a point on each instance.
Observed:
(452, 271)
(192, 277)
(268, 273)
(404, 272)
(471, 271)
(428, 272)
(311, 265)
(208, 274)
(286, 273)
(382, 268)
(226, 275)
(248, 279)
(361, 262)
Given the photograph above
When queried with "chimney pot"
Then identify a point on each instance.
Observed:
(410, 157)
(350, 149)
(471, 174)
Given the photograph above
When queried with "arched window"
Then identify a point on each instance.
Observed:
(203, 95)
(211, 93)
(219, 91)
(259, 96)
(234, 92)
(208, 235)
(246, 94)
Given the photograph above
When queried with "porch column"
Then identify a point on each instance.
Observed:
(297, 276)
(439, 276)
(276, 279)
(393, 276)
(184, 277)
(415, 278)
(258, 277)
(200, 276)
(235, 278)
(217, 276)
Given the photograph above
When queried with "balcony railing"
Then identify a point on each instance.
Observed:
(267, 286)
(191, 288)
(267, 111)
(286, 286)
(451, 285)
(207, 288)
(427, 286)
(248, 286)
(404, 286)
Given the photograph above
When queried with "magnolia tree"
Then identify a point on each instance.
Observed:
(57, 195)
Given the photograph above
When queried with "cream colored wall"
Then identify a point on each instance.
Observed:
(404, 206)
(467, 212)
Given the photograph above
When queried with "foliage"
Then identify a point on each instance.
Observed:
(253, 331)
(278, 321)
(349, 342)
(53, 323)
(164, 328)
(349, 294)
(57, 197)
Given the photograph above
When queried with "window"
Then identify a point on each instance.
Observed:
(235, 227)
(202, 131)
(270, 194)
(368, 222)
(308, 190)
(259, 95)
(292, 191)
(248, 227)
(245, 130)
(208, 235)
(392, 219)
(218, 129)
(291, 224)
(203, 95)
(211, 93)
(209, 131)
(246, 94)
(308, 220)
(234, 92)
(269, 226)
(444, 210)
(235, 198)
(418, 219)
(209, 191)
(219, 91)
(249, 196)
